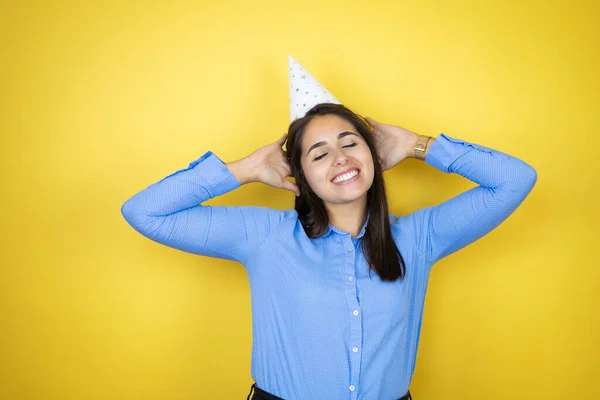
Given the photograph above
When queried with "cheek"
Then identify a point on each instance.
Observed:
(315, 176)
(308, 175)
(367, 158)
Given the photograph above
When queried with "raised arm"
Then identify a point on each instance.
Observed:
(170, 211)
(504, 182)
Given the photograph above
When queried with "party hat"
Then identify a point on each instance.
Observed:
(305, 91)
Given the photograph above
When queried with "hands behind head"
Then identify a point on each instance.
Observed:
(272, 166)
(393, 143)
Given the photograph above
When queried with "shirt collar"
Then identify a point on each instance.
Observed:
(331, 228)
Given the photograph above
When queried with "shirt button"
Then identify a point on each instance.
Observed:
(349, 250)
(351, 387)
(350, 278)
(355, 349)
(355, 312)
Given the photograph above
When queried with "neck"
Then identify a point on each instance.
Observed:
(348, 217)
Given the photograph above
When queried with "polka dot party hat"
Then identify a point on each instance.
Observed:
(305, 91)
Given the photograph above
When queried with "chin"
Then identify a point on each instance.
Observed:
(349, 198)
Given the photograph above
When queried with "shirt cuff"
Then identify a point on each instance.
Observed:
(212, 171)
(445, 150)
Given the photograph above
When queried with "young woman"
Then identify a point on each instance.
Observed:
(338, 283)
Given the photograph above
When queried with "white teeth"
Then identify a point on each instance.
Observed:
(345, 177)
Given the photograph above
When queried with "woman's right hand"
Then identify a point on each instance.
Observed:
(270, 166)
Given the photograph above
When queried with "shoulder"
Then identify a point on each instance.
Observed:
(288, 216)
(405, 224)
(397, 222)
(282, 218)
(284, 224)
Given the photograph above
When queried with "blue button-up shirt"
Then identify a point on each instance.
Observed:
(322, 328)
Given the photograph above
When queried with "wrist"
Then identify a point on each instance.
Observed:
(412, 143)
(243, 170)
(420, 146)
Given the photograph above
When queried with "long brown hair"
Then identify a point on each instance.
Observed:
(378, 246)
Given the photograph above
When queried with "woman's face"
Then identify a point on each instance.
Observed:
(332, 149)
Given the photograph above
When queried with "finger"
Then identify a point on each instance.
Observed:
(281, 140)
(283, 166)
(291, 187)
(371, 121)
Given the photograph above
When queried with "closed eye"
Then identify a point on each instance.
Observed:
(323, 155)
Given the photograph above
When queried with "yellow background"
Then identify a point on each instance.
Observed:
(98, 100)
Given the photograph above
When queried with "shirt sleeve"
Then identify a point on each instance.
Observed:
(504, 182)
(170, 212)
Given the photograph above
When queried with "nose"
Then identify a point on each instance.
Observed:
(340, 158)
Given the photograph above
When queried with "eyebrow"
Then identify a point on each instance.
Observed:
(322, 143)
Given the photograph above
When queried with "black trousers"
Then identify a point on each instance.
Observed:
(260, 394)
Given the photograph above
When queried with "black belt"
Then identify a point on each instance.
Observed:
(260, 394)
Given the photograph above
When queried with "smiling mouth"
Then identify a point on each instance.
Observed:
(347, 177)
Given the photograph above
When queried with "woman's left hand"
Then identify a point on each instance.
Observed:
(393, 143)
